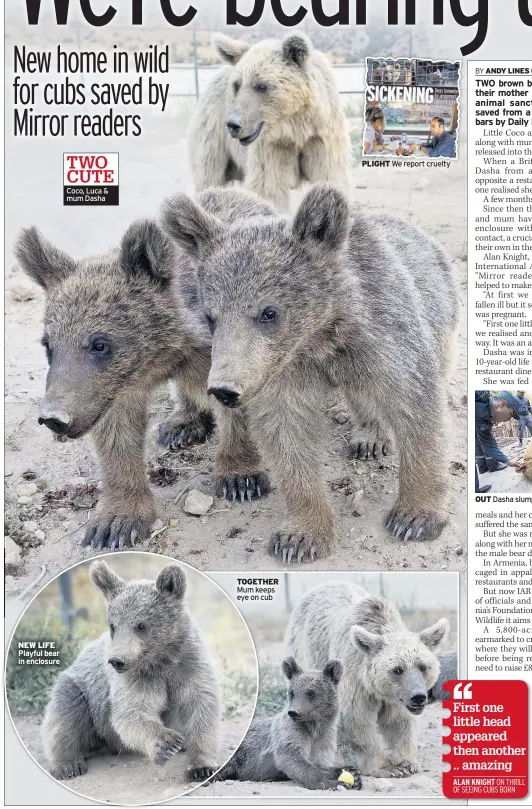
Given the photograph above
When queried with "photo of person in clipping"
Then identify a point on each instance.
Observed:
(489, 411)
(525, 417)
(441, 143)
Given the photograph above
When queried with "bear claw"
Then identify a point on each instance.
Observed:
(200, 773)
(242, 487)
(175, 435)
(116, 532)
(168, 744)
(288, 546)
(364, 450)
(405, 526)
(70, 770)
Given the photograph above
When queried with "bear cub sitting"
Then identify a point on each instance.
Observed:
(147, 685)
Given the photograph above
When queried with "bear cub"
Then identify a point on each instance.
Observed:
(147, 685)
(299, 743)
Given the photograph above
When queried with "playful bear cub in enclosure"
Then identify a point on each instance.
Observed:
(366, 304)
(272, 118)
(387, 670)
(152, 663)
(299, 743)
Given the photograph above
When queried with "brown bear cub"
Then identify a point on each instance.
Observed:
(299, 743)
(115, 327)
(366, 304)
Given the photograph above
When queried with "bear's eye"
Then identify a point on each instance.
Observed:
(269, 315)
(45, 342)
(311, 694)
(141, 627)
(211, 323)
(236, 87)
(99, 345)
(398, 670)
(112, 629)
(291, 694)
(260, 88)
(422, 668)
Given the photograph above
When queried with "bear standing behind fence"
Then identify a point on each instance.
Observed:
(365, 304)
(387, 670)
(152, 663)
(272, 118)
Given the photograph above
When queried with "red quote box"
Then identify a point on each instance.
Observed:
(488, 739)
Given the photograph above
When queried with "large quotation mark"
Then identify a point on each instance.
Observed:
(463, 693)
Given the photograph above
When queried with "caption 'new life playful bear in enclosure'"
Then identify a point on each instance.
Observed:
(367, 305)
(299, 743)
(115, 327)
(387, 670)
(272, 118)
(148, 685)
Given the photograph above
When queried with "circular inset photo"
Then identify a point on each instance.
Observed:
(131, 679)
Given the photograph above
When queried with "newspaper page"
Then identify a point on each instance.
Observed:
(268, 402)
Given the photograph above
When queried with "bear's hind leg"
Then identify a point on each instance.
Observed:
(186, 426)
(370, 438)
(68, 732)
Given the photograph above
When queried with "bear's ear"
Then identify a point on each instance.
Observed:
(172, 581)
(193, 228)
(323, 218)
(367, 642)
(435, 635)
(228, 49)
(333, 670)
(39, 259)
(296, 48)
(145, 251)
(106, 579)
(290, 668)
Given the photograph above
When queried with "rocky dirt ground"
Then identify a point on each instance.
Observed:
(51, 487)
(128, 778)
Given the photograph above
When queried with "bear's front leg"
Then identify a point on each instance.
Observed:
(288, 425)
(141, 730)
(328, 159)
(198, 718)
(308, 774)
(399, 733)
(272, 171)
(126, 511)
(420, 511)
(238, 465)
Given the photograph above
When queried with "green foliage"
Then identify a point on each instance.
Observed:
(28, 686)
(238, 691)
(272, 690)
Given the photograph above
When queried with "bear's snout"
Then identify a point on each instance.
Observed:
(117, 663)
(293, 715)
(417, 702)
(234, 125)
(56, 421)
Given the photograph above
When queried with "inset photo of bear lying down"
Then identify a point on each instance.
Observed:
(131, 682)
(351, 675)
